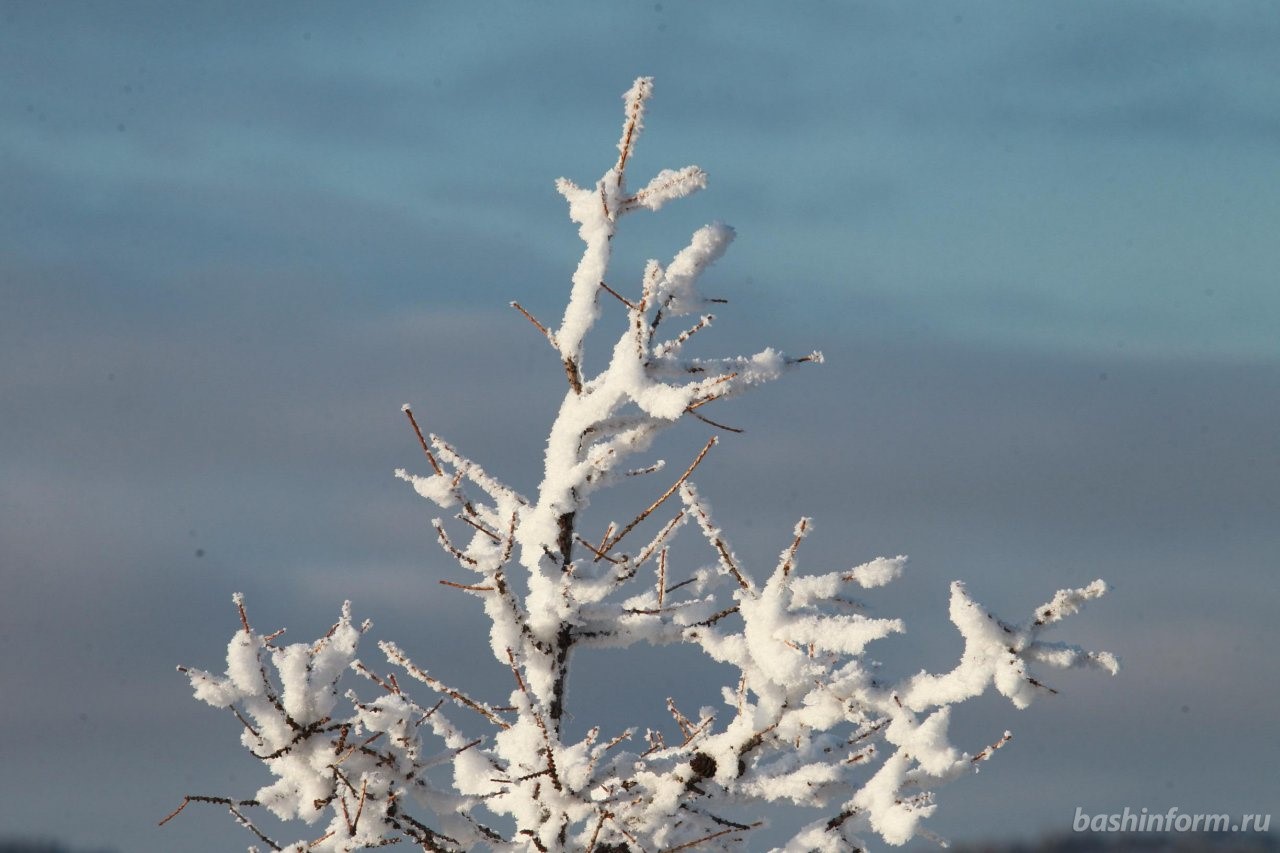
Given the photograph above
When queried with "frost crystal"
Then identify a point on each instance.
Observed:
(805, 721)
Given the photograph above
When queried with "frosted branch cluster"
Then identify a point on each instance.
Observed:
(804, 720)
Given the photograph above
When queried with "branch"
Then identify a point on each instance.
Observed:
(551, 338)
(609, 546)
(395, 655)
(435, 466)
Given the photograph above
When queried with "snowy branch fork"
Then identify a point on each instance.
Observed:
(805, 721)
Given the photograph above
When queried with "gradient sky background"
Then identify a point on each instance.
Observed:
(1035, 241)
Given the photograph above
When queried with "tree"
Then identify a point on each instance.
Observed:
(805, 721)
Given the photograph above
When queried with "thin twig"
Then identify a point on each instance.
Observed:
(716, 424)
(466, 587)
(695, 842)
(197, 798)
(394, 654)
(635, 110)
(600, 555)
(668, 347)
(712, 533)
(698, 404)
(435, 466)
(789, 558)
(662, 576)
(515, 670)
(541, 328)
(360, 667)
(244, 722)
(244, 618)
(446, 544)
(728, 611)
(478, 526)
(608, 531)
(681, 720)
(611, 544)
(701, 727)
(674, 587)
(618, 296)
(591, 845)
(364, 790)
(660, 540)
(648, 469)
(231, 807)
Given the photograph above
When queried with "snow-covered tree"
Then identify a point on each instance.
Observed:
(805, 719)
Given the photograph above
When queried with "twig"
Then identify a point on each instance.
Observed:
(611, 544)
(600, 555)
(591, 845)
(394, 654)
(244, 618)
(660, 540)
(435, 466)
(618, 296)
(728, 611)
(662, 576)
(515, 670)
(701, 727)
(364, 790)
(674, 587)
(681, 720)
(789, 556)
(541, 328)
(695, 842)
(466, 587)
(630, 129)
(648, 469)
(449, 546)
(478, 526)
(712, 534)
(231, 807)
(668, 347)
(244, 722)
(608, 531)
(716, 424)
(198, 798)
(360, 667)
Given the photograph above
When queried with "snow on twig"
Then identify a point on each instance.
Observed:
(808, 722)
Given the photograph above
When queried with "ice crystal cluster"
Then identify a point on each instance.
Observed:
(804, 721)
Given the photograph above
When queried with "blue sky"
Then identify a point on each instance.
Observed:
(1035, 242)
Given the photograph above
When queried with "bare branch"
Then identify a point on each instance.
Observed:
(716, 424)
(435, 466)
(612, 543)
(697, 841)
(395, 655)
(468, 588)
(618, 296)
(546, 333)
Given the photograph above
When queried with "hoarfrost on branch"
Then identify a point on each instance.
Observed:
(804, 720)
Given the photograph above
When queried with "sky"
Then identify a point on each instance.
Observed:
(1034, 241)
